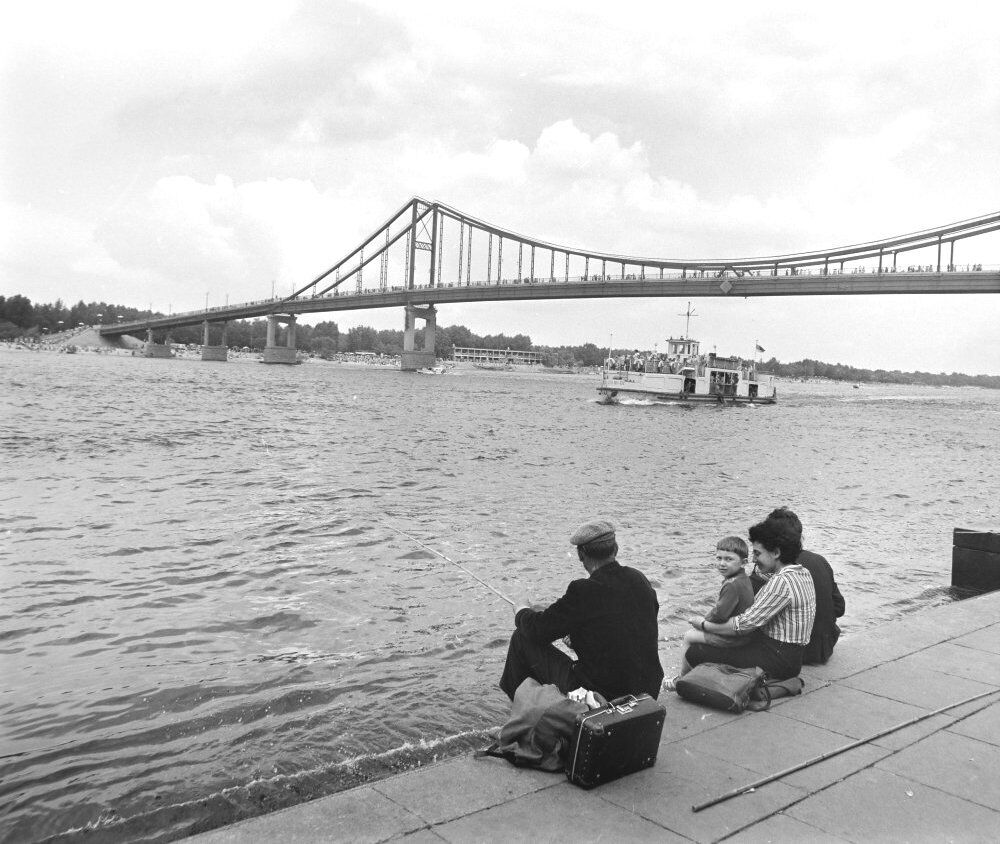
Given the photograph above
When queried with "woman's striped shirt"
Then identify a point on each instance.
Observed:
(784, 609)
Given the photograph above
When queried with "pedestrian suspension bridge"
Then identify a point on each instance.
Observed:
(428, 254)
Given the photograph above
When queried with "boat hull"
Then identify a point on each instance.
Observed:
(613, 395)
(678, 388)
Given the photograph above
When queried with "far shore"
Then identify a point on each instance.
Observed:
(87, 340)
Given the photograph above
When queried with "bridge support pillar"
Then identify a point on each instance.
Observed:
(156, 350)
(273, 353)
(414, 358)
(210, 352)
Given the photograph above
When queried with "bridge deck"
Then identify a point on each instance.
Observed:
(690, 287)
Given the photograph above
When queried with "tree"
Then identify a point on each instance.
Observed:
(77, 314)
(324, 345)
(327, 332)
(391, 340)
(453, 335)
(18, 310)
(363, 338)
(590, 355)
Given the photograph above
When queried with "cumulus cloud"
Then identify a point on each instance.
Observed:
(224, 236)
(69, 247)
(594, 191)
(562, 146)
(178, 149)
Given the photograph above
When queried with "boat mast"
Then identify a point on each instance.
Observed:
(688, 313)
(607, 364)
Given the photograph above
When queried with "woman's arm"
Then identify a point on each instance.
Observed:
(723, 628)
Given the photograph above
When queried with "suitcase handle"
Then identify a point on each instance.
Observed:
(618, 701)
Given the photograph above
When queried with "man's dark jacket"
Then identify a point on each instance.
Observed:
(610, 618)
(829, 607)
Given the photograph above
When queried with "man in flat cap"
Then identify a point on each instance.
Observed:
(610, 618)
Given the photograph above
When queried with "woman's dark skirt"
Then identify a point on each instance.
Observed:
(780, 660)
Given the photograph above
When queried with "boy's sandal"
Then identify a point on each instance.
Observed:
(671, 685)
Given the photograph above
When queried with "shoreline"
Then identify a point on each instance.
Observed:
(912, 784)
(59, 346)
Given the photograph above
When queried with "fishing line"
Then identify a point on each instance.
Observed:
(736, 792)
(473, 575)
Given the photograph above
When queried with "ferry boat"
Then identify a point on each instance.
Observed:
(686, 375)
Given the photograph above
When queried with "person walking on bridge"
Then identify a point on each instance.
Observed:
(609, 618)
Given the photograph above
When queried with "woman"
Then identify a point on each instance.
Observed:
(777, 626)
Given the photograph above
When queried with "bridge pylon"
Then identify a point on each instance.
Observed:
(210, 352)
(273, 353)
(414, 358)
(152, 349)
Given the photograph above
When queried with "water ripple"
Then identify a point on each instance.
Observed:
(208, 615)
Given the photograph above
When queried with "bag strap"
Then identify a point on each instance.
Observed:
(763, 688)
(492, 750)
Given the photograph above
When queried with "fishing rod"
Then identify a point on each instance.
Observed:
(736, 792)
(473, 575)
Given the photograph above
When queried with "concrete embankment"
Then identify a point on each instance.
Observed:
(937, 780)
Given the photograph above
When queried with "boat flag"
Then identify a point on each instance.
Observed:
(760, 348)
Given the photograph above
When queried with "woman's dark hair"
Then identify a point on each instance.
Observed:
(787, 516)
(777, 535)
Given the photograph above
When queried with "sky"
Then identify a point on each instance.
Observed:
(158, 154)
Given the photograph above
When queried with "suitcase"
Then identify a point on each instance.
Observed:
(619, 739)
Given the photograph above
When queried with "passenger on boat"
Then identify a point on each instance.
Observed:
(610, 619)
(830, 604)
(777, 626)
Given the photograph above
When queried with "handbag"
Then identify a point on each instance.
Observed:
(725, 687)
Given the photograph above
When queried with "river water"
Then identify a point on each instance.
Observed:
(207, 613)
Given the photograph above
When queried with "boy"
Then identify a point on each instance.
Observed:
(736, 595)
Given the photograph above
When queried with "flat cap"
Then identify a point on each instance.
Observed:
(592, 531)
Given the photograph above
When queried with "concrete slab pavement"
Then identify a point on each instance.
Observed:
(938, 780)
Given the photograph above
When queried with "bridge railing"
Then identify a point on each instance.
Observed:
(596, 278)
(665, 276)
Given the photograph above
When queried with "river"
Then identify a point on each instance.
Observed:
(208, 614)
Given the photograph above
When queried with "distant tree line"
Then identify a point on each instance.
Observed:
(20, 318)
(840, 372)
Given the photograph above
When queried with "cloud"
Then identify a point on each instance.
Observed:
(241, 236)
(595, 192)
(562, 146)
(69, 249)
(179, 148)
(225, 237)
